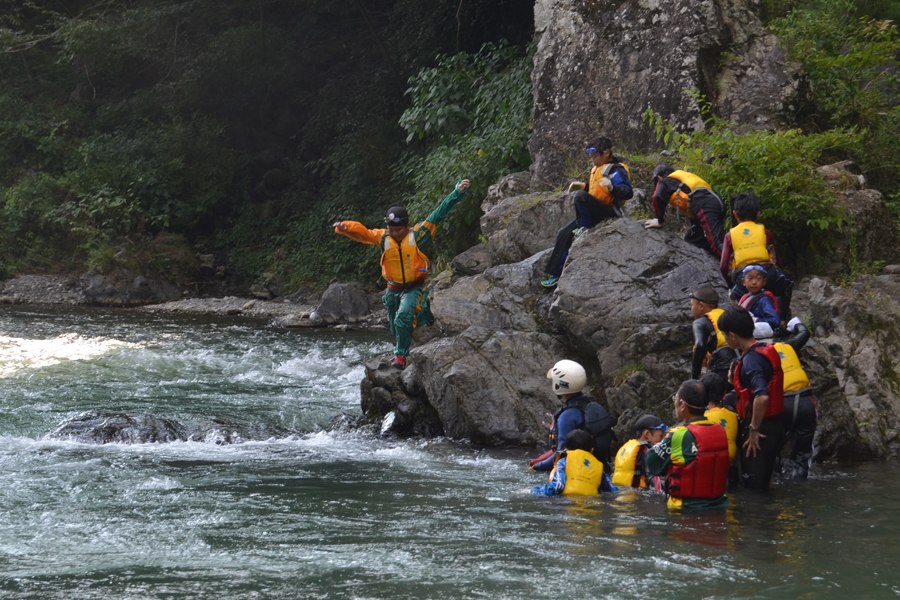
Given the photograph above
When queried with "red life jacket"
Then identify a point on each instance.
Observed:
(775, 387)
(748, 301)
(707, 475)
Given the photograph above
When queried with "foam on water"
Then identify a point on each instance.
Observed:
(352, 515)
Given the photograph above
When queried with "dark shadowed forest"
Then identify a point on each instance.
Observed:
(136, 131)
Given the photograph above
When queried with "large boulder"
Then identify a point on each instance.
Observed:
(859, 326)
(600, 65)
(121, 287)
(520, 226)
(503, 297)
(342, 303)
(490, 386)
(624, 296)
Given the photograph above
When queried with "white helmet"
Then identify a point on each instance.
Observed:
(568, 377)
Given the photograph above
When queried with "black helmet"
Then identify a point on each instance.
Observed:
(662, 169)
(397, 215)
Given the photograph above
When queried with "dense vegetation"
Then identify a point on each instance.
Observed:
(247, 127)
(850, 58)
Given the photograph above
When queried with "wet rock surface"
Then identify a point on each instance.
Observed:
(129, 428)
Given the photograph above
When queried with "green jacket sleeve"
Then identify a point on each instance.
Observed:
(658, 457)
(440, 213)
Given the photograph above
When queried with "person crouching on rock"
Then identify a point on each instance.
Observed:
(609, 186)
(576, 472)
(404, 265)
(630, 467)
(693, 458)
(695, 199)
(579, 412)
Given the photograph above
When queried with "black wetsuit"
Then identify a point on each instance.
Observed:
(705, 342)
(799, 417)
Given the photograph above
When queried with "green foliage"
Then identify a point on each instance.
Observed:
(851, 60)
(474, 114)
(778, 166)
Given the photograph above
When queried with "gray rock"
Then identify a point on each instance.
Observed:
(515, 184)
(600, 65)
(625, 292)
(43, 289)
(120, 428)
(521, 226)
(471, 262)
(127, 428)
(491, 387)
(343, 303)
(121, 287)
(856, 370)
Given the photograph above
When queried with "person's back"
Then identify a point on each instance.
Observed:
(750, 243)
(692, 197)
(693, 458)
(709, 349)
(630, 470)
(577, 471)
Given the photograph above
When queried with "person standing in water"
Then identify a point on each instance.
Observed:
(405, 262)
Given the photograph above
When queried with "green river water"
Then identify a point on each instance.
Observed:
(348, 515)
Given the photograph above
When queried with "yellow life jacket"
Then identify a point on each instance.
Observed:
(795, 377)
(748, 240)
(403, 263)
(729, 420)
(598, 191)
(713, 316)
(583, 474)
(681, 200)
(626, 466)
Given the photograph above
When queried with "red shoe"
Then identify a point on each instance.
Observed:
(399, 362)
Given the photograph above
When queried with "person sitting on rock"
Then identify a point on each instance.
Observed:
(799, 416)
(749, 243)
(710, 349)
(761, 303)
(716, 386)
(609, 186)
(579, 412)
(759, 385)
(630, 468)
(694, 457)
(576, 471)
(404, 265)
(694, 198)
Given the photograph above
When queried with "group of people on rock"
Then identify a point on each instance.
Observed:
(735, 417)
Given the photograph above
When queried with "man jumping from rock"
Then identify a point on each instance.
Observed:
(404, 265)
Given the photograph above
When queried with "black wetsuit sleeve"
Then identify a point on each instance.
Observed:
(798, 341)
(662, 193)
(702, 328)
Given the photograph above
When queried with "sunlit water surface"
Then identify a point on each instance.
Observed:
(347, 515)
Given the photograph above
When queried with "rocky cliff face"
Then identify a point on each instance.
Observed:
(600, 64)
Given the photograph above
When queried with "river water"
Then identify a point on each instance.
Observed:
(347, 515)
